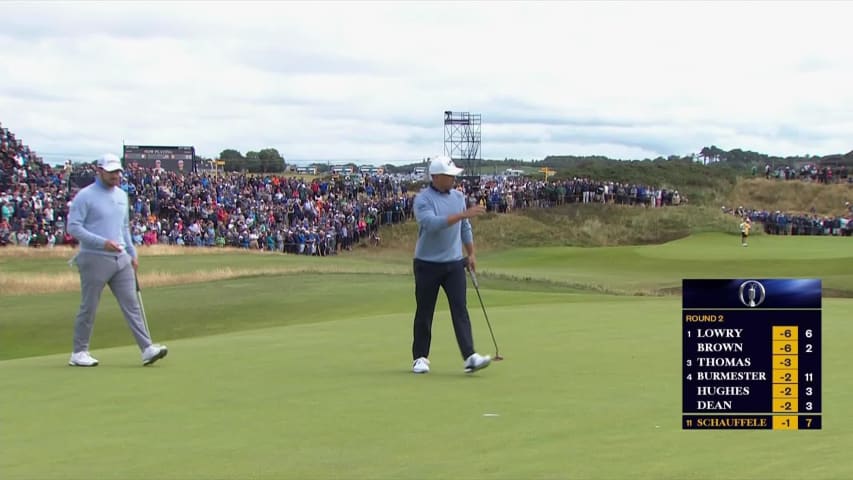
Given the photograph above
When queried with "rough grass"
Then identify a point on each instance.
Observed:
(30, 284)
(49, 275)
(791, 196)
(581, 225)
(153, 250)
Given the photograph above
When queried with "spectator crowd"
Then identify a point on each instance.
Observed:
(788, 223)
(809, 173)
(290, 214)
(33, 200)
(504, 194)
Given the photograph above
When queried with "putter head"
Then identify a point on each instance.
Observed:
(497, 358)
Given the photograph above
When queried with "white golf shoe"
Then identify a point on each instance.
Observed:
(153, 353)
(477, 362)
(82, 359)
(421, 365)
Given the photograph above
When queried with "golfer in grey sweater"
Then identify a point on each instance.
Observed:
(98, 219)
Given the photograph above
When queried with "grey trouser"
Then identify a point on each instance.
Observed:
(96, 271)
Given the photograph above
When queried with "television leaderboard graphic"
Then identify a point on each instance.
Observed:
(751, 355)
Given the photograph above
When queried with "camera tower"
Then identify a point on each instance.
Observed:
(462, 140)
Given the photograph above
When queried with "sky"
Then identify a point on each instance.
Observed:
(369, 81)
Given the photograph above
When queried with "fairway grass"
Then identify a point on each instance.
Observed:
(659, 269)
(307, 375)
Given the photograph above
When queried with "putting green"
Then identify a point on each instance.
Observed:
(308, 376)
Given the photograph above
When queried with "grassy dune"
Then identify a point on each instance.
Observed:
(791, 196)
(613, 225)
(581, 225)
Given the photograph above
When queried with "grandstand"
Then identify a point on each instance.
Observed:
(33, 196)
(14, 156)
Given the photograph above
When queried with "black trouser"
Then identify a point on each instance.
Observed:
(451, 277)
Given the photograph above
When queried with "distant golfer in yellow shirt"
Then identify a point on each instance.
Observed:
(744, 231)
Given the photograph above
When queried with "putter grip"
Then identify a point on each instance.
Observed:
(474, 279)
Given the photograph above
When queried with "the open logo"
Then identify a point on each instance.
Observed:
(752, 293)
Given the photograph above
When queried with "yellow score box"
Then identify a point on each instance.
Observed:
(785, 347)
(785, 333)
(785, 390)
(785, 376)
(785, 362)
(785, 422)
(785, 405)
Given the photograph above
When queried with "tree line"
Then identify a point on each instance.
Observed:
(269, 160)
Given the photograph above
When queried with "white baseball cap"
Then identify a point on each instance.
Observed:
(443, 165)
(109, 162)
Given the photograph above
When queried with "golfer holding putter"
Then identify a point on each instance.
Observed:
(443, 229)
(98, 219)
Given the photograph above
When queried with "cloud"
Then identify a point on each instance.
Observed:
(371, 80)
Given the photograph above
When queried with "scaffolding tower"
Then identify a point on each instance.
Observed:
(462, 140)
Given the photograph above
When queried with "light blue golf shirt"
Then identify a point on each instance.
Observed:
(98, 214)
(438, 242)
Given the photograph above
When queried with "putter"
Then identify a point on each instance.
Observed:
(141, 305)
(497, 356)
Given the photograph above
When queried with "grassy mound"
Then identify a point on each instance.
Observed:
(791, 196)
(613, 225)
(582, 225)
